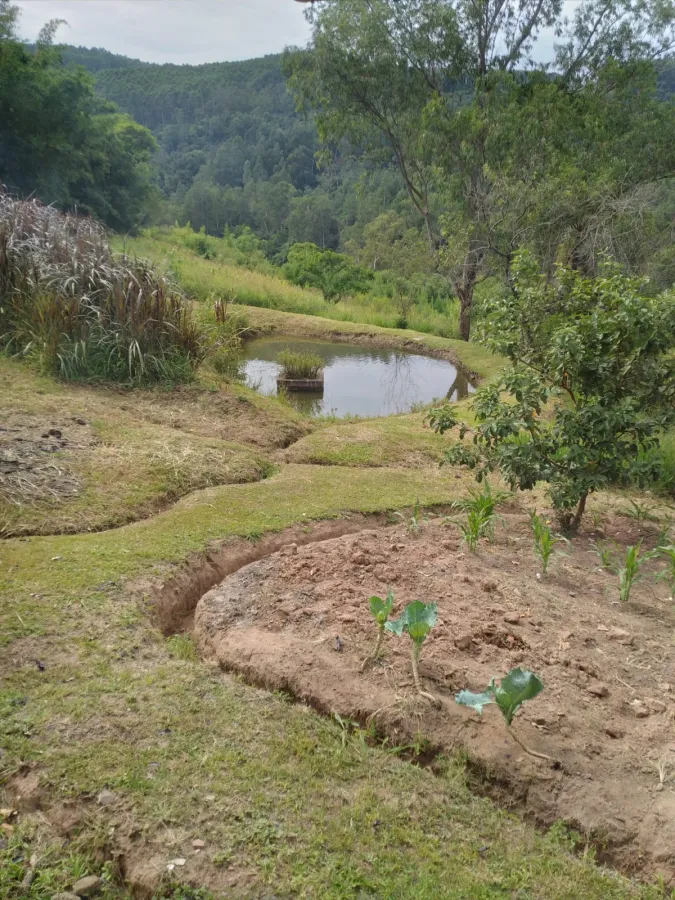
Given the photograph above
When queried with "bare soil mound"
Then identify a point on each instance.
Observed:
(298, 620)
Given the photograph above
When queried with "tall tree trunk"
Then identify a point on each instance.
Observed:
(465, 284)
(465, 295)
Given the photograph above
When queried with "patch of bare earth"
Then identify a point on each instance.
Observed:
(34, 455)
(298, 620)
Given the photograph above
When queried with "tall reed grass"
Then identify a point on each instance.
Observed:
(84, 312)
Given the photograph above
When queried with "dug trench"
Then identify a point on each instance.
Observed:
(289, 613)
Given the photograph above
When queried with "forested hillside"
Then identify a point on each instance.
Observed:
(61, 141)
(234, 152)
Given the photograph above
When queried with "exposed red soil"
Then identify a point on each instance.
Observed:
(608, 709)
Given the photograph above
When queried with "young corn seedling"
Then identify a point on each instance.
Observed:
(417, 620)
(413, 523)
(480, 508)
(629, 571)
(544, 540)
(509, 695)
(668, 575)
(641, 512)
(380, 610)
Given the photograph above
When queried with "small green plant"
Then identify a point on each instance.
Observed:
(300, 365)
(414, 522)
(663, 536)
(629, 571)
(668, 575)
(181, 646)
(544, 540)
(480, 507)
(509, 695)
(380, 610)
(640, 511)
(417, 620)
(627, 568)
(606, 558)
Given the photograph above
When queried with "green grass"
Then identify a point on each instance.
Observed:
(300, 365)
(202, 278)
(128, 460)
(392, 441)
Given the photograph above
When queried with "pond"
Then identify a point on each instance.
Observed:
(358, 380)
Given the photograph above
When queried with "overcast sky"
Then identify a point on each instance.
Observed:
(179, 31)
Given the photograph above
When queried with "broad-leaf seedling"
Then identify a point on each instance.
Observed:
(380, 610)
(417, 620)
(509, 695)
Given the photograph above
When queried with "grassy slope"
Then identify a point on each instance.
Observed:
(144, 449)
(201, 277)
(286, 800)
(292, 804)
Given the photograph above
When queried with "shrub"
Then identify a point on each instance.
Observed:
(83, 312)
(334, 274)
(300, 365)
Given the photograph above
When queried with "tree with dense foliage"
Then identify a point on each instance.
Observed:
(438, 86)
(590, 388)
(61, 141)
(334, 274)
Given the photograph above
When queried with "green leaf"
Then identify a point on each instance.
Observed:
(396, 626)
(514, 689)
(381, 608)
(474, 701)
(420, 619)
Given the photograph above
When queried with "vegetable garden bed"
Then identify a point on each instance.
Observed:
(299, 621)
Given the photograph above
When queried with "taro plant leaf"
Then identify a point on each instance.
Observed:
(474, 701)
(380, 608)
(514, 689)
(420, 619)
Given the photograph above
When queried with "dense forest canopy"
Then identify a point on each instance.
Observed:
(60, 140)
(234, 152)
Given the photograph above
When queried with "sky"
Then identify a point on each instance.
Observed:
(179, 31)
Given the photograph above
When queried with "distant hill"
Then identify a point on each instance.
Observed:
(234, 152)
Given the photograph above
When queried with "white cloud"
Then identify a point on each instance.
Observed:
(180, 31)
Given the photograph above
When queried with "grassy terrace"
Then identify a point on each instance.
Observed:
(287, 802)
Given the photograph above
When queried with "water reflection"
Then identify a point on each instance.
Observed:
(358, 380)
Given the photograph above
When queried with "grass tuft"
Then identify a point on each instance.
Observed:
(300, 365)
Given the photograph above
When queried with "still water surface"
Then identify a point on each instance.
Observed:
(358, 381)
